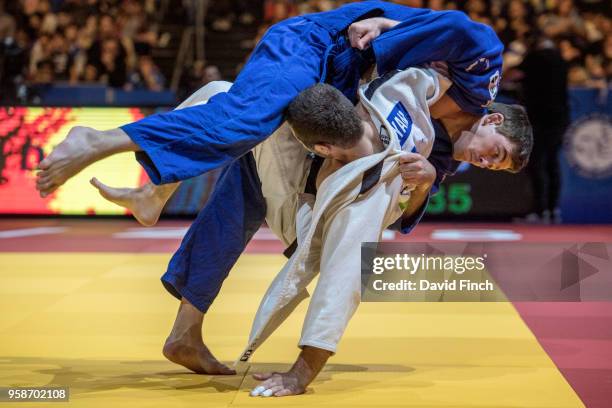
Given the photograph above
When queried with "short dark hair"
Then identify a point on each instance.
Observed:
(322, 114)
(517, 129)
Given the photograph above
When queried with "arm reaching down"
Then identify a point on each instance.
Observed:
(338, 291)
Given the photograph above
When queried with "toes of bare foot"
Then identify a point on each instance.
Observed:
(44, 164)
(97, 183)
(105, 191)
(51, 190)
(42, 178)
(45, 187)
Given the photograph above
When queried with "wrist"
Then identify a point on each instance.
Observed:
(309, 363)
(386, 24)
(424, 186)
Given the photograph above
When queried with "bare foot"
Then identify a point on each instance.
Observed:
(145, 203)
(185, 345)
(82, 147)
(69, 157)
(195, 357)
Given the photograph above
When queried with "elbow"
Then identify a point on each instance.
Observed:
(459, 23)
(470, 31)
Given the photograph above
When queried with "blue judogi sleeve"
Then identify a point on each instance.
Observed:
(471, 50)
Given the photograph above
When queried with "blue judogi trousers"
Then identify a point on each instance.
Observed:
(218, 236)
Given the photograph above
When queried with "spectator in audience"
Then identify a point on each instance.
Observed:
(211, 73)
(59, 56)
(563, 19)
(479, 10)
(198, 75)
(545, 81)
(278, 10)
(44, 73)
(12, 55)
(222, 16)
(516, 21)
(90, 74)
(607, 55)
(146, 76)
(40, 52)
(8, 25)
(132, 18)
(110, 62)
(437, 5)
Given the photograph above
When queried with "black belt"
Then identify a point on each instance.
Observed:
(370, 178)
(311, 188)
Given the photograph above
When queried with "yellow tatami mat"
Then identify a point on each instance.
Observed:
(97, 322)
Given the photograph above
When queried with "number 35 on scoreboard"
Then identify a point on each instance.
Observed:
(454, 198)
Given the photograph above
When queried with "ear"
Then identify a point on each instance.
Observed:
(493, 119)
(322, 149)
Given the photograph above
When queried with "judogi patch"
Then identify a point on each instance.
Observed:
(400, 120)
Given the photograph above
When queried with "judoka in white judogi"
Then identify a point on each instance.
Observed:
(353, 205)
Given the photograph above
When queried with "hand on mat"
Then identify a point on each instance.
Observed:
(417, 170)
(278, 385)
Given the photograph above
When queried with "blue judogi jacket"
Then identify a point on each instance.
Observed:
(300, 52)
(472, 50)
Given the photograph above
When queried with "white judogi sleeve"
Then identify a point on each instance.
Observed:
(338, 291)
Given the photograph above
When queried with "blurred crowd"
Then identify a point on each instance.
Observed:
(111, 41)
(581, 30)
(82, 41)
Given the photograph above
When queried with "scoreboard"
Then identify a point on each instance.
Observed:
(474, 193)
(27, 134)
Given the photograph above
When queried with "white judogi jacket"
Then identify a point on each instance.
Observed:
(353, 205)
